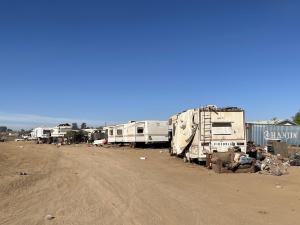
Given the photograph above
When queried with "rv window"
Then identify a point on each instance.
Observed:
(111, 132)
(119, 132)
(140, 130)
(222, 128)
(221, 124)
(46, 132)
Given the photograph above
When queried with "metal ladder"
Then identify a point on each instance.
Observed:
(207, 128)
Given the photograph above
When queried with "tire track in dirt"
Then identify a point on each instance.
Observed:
(82, 185)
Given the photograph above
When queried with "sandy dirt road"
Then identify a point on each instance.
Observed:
(89, 185)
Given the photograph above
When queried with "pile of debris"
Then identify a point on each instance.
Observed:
(255, 160)
(273, 165)
(294, 159)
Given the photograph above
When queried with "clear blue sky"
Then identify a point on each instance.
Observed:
(122, 60)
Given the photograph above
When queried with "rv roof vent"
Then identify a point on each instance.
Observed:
(131, 121)
(212, 106)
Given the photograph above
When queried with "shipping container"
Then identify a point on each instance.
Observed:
(260, 134)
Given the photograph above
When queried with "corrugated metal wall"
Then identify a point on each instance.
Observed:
(260, 134)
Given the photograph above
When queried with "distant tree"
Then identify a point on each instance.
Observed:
(83, 126)
(296, 118)
(74, 126)
(76, 136)
(3, 129)
(275, 119)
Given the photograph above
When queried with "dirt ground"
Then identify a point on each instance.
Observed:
(92, 185)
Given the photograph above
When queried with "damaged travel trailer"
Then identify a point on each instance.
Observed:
(145, 132)
(41, 134)
(197, 132)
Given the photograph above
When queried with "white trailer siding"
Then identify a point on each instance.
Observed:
(157, 131)
(41, 133)
(134, 132)
(119, 131)
(125, 133)
(111, 134)
(146, 132)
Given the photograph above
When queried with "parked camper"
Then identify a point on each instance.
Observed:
(145, 132)
(198, 132)
(58, 133)
(41, 134)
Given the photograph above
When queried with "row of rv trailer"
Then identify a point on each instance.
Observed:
(47, 134)
(193, 133)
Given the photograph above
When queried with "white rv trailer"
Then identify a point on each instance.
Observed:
(147, 132)
(41, 134)
(60, 130)
(198, 132)
(115, 134)
(110, 130)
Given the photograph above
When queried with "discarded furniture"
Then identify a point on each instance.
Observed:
(223, 162)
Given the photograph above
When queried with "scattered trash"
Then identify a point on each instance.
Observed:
(274, 165)
(278, 186)
(58, 145)
(143, 158)
(19, 139)
(160, 151)
(100, 142)
(50, 217)
(20, 146)
(294, 159)
(262, 212)
(23, 173)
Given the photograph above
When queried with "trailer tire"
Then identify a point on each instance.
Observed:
(133, 145)
(185, 159)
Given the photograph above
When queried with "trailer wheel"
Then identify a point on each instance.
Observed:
(170, 152)
(132, 144)
(187, 159)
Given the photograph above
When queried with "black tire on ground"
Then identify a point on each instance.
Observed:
(133, 144)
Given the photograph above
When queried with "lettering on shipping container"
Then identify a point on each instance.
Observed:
(280, 135)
